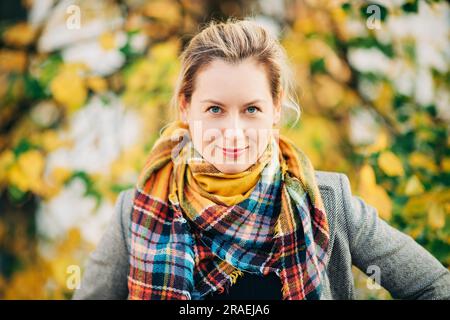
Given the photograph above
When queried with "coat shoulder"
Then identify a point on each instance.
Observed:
(336, 183)
(328, 178)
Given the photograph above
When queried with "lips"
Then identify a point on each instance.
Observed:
(233, 152)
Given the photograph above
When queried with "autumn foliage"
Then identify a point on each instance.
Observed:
(80, 108)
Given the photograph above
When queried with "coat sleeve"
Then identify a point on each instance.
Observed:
(106, 270)
(407, 270)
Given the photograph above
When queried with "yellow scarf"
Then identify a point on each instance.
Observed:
(229, 189)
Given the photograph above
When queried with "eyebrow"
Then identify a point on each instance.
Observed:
(219, 103)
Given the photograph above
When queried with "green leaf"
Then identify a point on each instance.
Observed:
(33, 89)
(411, 6)
(49, 69)
(431, 109)
(120, 187)
(400, 100)
(347, 7)
(318, 66)
(16, 194)
(23, 146)
(371, 42)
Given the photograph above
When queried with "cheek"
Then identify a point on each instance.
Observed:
(260, 129)
(195, 113)
(261, 143)
(204, 135)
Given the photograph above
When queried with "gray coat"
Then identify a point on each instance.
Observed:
(357, 237)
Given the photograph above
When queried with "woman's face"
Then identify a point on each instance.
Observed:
(231, 114)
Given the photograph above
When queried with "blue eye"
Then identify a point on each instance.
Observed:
(252, 110)
(215, 109)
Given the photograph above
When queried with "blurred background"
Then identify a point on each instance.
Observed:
(85, 87)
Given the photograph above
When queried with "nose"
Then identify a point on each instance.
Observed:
(234, 131)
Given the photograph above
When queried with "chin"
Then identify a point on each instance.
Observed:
(232, 167)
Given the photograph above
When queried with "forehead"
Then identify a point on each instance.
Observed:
(223, 80)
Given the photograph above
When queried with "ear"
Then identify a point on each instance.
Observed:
(277, 114)
(183, 108)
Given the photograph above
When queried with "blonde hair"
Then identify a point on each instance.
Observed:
(233, 41)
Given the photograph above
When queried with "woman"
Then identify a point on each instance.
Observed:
(226, 208)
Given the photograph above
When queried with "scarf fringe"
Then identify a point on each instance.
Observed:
(233, 278)
(276, 229)
(284, 289)
(235, 274)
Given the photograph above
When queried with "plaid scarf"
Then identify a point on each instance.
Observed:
(186, 243)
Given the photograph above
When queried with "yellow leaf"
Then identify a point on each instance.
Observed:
(140, 78)
(61, 174)
(374, 194)
(447, 208)
(97, 84)
(367, 175)
(383, 99)
(304, 26)
(416, 206)
(436, 216)
(167, 11)
(390, 164)
(13, 60)
(338, 14)
(31, 164)
(381, 143)
(26, 173)
(59, 267)
(420, 160)
(68, 87)
(329, 92)
(20, 35)
(415, 231)
(73, 240)
(378, 198)
(53, 183)
(48, 140)
(108, 40)
(17, 178)
(6, 160)
(445, 164)
(167, 50)
(413, 186)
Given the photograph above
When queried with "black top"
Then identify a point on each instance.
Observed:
(251, 287)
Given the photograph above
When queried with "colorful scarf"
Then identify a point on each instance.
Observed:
(188, 239)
